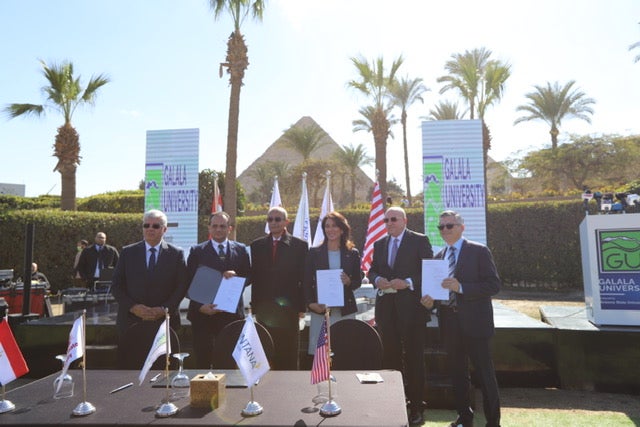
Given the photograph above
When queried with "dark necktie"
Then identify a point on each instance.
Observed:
(274, 250)
(394, 252)
(221, 253)
(152, 259)
(452, 267)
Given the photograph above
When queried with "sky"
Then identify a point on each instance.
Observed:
(163, 57)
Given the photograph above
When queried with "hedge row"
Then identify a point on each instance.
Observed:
(534, 244)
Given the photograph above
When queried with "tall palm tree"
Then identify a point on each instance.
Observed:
(351, 159)
(445, 110)
(404, 94)
(636, 45)
(479, 79)
(64, 94)
(553, 103)
(304, 139)
(375, 83)
(236, 63)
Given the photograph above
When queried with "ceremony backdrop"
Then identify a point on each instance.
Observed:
(453, 176)
(171, 182)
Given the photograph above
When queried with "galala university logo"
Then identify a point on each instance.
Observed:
(619, 251)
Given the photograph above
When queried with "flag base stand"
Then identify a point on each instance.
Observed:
(330, 408)
(252, 409)
(166, 410)
(6, 406)
(84, 408)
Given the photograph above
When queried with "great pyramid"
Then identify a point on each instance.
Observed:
(279, 151)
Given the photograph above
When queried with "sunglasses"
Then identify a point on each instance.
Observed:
(392, 219)
(275, 219)
(154, 226)
(449, 226)
(219, 225)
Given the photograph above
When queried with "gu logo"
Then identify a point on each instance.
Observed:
(619, 250)
(153, 183)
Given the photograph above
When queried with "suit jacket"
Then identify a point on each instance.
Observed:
(278, 283)
(477, 273)
(237, 259)
(133, 283)
(318, 259)
(89, 257)
(412, 250)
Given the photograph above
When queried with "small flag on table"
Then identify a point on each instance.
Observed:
(12, 364)
(320, 369)
(249, 354)
(75, 348)
(161, 345)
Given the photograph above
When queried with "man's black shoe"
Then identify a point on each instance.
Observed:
(415, 417)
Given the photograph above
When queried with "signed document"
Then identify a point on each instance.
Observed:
(330, 288)
(229, 293)
(434, 271)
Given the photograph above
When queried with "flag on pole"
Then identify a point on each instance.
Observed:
(12, 364)
(275, 200)
(75, 348)
(320, 368)
(249, 354)
(327, 206)
(375, 228)
(216, 205)
(161, 345)
(302, 226)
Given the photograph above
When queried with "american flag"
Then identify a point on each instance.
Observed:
(375, 228)
(320, 368)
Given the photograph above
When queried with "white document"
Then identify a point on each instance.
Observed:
(330, 288)
(434, 271)
(229, 293)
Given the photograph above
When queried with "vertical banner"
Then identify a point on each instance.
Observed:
(453, 176)
(171, 182)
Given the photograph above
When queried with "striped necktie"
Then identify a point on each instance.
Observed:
(452, 268)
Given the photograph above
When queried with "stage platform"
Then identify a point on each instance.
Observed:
(565, 350)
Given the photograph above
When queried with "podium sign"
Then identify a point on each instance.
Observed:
(610, 246)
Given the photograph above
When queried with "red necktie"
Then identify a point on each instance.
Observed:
(274, 249)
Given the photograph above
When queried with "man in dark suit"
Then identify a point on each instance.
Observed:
(150, 276)
(466, 319)
(396, 271)
(95, 258)
(277, 273)
(231, 259)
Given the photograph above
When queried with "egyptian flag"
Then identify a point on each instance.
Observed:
(12, 364)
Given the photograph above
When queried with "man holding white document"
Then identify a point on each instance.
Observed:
(217, 270)
(332, 273)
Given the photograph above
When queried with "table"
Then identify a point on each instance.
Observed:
(286, 397)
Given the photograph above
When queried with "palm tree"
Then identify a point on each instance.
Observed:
(375, 83)
(304, 139)
(351, 159)
(445, 110)
(403, 95)
(636, 45)
(479, 79)
(554, 103)
(64, 94)
(236, 63)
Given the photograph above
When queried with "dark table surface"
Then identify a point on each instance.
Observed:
(286, 397)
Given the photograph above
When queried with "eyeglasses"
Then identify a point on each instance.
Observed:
(219, 225)
(449, 226)
(392, 219)
(154, 226)
(275, 219)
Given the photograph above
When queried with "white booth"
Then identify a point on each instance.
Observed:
(610, 246)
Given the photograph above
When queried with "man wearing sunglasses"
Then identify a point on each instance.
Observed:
(396, 271)
(277, 273)
(466, 319)
(151, 275)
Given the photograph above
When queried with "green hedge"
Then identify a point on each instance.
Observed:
(534, 244)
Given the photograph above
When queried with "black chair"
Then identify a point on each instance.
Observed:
(356, 345)
(135, 345)
(225, 342)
